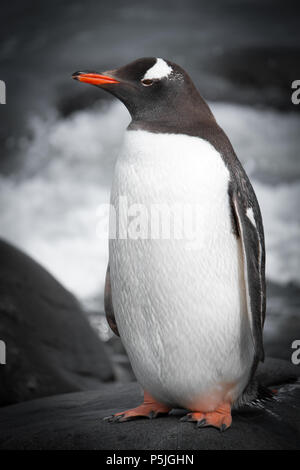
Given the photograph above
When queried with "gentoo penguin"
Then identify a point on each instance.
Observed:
(190, 313)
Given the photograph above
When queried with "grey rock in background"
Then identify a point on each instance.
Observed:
(51, 348)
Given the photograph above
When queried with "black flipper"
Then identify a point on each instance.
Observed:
(249, 227)
(108, 306)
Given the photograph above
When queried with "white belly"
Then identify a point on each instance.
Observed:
(179, 302)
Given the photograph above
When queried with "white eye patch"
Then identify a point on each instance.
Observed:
(159, 70)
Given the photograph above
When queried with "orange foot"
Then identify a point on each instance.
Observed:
(149, 409)
(220, 418)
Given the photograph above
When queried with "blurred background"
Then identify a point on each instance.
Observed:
(59, 139)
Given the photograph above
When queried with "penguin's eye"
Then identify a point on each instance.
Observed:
(147, 82)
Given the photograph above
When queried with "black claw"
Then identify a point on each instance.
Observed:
(223, 427)
(185, 418)
(114, 418)
(201, 423)
(108, 418)
(118, 418)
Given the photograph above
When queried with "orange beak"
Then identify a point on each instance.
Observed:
(94, 78)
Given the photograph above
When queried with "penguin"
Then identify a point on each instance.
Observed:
(190, 311)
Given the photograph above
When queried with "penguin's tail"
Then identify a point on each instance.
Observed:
(255, 396)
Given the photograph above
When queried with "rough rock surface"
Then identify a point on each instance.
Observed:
(50, 346)
(74, 421)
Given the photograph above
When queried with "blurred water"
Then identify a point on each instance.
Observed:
(50, 206)
(243, 51)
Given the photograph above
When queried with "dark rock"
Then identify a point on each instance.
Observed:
(276, 371)
(282, 325)
(51, 348)
(74, 421)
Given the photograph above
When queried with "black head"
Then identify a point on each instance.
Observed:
(153, 90)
